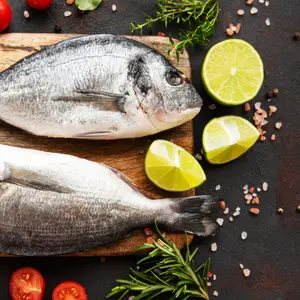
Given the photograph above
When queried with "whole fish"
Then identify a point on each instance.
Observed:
(53, 204)
(96, 87)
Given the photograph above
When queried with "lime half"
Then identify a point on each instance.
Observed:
(172, 168)
(226, 138)
(233, 72)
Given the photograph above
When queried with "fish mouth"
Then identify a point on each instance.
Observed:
(192, 111)
(165, 120)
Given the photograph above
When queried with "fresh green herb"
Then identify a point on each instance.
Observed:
(200, 16)
(167, 272)
(86, 5)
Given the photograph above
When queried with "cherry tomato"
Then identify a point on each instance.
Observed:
(27, 283)
(5, 15)
(69, 290)
(39, 4)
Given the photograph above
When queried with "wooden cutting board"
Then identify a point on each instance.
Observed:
(126, 156)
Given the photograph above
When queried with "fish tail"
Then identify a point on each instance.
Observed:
(196, 215)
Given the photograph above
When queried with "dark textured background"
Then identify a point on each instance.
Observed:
(271, 250)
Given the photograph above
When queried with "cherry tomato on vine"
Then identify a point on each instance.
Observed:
(5, 15)
(39, 4)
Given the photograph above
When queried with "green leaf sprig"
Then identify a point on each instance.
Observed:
(200, 16)
(168, 272)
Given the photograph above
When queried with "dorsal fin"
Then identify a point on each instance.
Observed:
(124, 178)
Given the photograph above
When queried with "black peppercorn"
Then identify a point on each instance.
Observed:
(296, 36)
(272, 93)
(57, 29)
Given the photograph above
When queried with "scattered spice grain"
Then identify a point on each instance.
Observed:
(222, 204)
(280, 210)
(254, 211)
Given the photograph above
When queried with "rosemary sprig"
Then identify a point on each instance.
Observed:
(166, 271)
(199, 15)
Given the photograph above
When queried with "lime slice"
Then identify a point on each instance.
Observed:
(233, 72)
(172, 168)
(227, 138)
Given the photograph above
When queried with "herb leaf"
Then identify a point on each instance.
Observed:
(167, 272)
(86, 5)
(199, 16)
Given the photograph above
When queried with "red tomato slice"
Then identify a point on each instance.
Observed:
(27, 284)
(5, 15)
(39, 4)
(69, 290)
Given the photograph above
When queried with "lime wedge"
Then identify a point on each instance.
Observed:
(172, 168)
(232, 72)
(227, 138)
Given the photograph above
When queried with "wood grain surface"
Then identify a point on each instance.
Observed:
(126, 156)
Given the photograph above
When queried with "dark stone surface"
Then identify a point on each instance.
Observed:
(271, 250)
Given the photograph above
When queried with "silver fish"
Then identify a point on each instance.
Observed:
(53, 204)
(96, 87)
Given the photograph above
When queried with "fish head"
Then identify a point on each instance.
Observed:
(165, 94)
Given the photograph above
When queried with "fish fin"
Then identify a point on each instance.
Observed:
(101, 100)
(125, 179)
(91, 135)
(30, 179)
(4, 171)
(196, 215)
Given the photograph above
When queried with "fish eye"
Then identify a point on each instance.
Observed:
(173, 78)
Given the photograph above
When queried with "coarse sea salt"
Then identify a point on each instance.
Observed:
(253, 10)
(240, 12)
(236, 213)
(246, 272)
(220, 221)
(218, 187)
(244, 235)
(214, 247)
(198, 156)
(257, 105)
(248, 197)
(265, 186)
(215, 293)
(26, 14)
(226, 211)
(67, 13)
